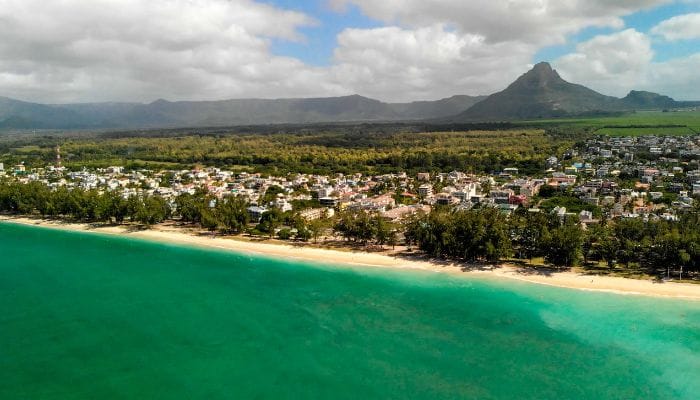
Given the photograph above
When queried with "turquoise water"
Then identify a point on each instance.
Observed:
(86, 316)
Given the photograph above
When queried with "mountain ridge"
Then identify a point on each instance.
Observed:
(539, 93)
(164, 113)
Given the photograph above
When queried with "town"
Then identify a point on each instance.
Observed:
(647, 177)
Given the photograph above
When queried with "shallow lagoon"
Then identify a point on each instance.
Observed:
(96, 316)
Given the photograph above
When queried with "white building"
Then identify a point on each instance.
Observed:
(425, 190)
(696, 189)
(283, 205)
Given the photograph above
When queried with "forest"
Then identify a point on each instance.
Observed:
(315, 151)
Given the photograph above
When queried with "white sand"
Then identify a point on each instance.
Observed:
(567, 279)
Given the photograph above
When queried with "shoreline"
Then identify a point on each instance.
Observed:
(564, 279)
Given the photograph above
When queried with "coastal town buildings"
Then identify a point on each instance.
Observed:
(605, 177)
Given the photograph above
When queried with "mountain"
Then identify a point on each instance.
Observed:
(24, 115)
(435, 109)
(539, 93)
(542, 93)
(163, 113)
(641, 100)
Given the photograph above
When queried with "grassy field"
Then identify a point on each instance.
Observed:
(636, 131)
(635, 124)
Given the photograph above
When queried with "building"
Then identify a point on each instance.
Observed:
(519, 200)
(331, 202)
(572, 170)
(445, 199)
(696, 189)
(319, 191)
(397, 214)
(283, 205)
(586, 217)
(255, 213)
(425, 190)
(501, 196)
(312, 214)
(551, 162)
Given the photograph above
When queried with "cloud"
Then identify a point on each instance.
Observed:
(538, 22)
(680, 27)
(617, 63)
(678, 77)
(612, 64)
(427, 62)
(137, 50)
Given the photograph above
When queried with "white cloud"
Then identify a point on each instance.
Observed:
(677, 77)
(617, 63)
(435, 48)
(427, 62)
(679, 27)
(127, 50)
(613, 64)
(539, 22)
(138, 50)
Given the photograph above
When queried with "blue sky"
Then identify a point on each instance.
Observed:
(322, 39)
(390, 50)
(642, 21)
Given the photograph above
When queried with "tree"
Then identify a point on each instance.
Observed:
(381, 229)
(133, 207)
(271, 194)
(393, 239)
(356, 225)
(564, 247)
(117, 207)
(209, 220)
(190, 206)
(316, 228)
(468, 234)
(284, 234)
(232, 214)
(270, 221)
(303, 232)
(609, 246)
(154, 210)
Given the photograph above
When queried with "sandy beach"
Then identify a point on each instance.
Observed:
(565, 279)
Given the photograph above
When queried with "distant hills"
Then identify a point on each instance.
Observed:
(542, 93)
(539, 93)
(161, 113)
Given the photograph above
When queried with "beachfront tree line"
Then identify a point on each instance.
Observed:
(81, 205)
(365, 227)
(228, 215)
(486, 234)
(481, 234)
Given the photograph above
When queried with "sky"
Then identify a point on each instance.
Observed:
(66, 51)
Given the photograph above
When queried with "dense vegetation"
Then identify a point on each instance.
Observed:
(81, 205)
(654, 247)
(315, 152)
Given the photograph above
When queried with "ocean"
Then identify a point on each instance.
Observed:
(90, 316)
